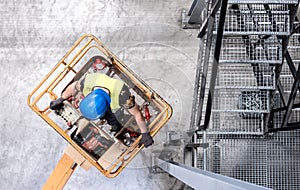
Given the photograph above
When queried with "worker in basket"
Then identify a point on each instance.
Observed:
(102, 95)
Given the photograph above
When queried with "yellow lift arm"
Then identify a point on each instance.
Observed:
(61, 174)
(65, 168)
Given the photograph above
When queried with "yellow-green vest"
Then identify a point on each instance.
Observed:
(102, 80)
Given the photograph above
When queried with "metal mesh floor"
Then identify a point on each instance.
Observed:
(271, 161)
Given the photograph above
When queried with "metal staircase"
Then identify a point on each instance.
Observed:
(241, 62)
(246, 88)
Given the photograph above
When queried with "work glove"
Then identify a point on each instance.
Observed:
(57, 104)
(146, 140)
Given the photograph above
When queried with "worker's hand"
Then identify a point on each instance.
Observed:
(57, 104)
(146, 140)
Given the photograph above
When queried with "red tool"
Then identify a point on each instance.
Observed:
(147, 113)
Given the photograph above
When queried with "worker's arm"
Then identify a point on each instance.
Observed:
(135, 111)
(72, 89)
(146, 138)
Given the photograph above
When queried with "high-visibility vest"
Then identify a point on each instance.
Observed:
(101, 80)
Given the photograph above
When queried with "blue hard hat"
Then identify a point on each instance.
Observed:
(95, 104)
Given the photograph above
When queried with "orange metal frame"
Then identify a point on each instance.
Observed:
(65, 66)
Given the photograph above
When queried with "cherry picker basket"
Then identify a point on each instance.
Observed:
(113, 151)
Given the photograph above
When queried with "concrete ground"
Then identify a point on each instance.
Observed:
(34, 36)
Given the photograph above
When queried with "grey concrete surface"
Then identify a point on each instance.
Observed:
(35, 34)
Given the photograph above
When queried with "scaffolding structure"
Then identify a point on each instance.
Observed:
(246, 109)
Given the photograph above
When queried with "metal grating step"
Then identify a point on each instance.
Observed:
(286, 78)
(294, 47)
(236, 123)
(252, 50)
(263, 1)
(254, 19)
(246, 102)
(246, 76)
